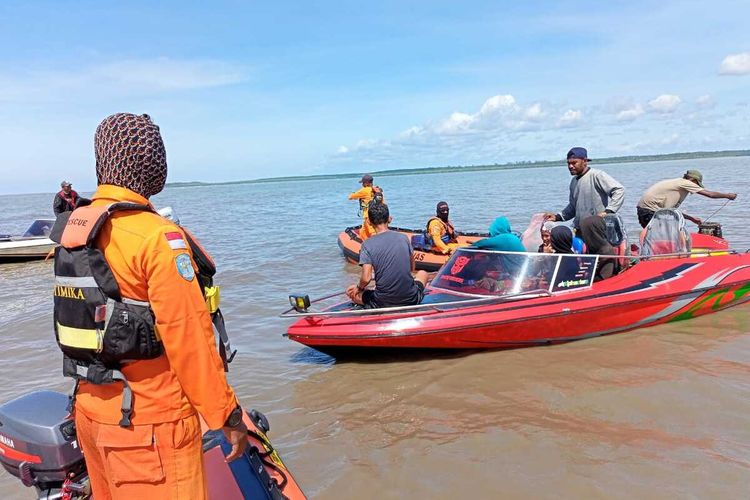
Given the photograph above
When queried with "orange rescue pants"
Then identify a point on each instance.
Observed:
(367, 229)
(163, 461)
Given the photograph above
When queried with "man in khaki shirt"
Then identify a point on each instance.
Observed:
(671, 193)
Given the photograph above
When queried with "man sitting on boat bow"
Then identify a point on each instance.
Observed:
(388, 256)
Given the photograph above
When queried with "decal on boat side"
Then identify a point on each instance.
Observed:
(717, 298)
(460, 263)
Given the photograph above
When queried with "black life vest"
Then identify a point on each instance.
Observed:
(97, 329)
(377, 197)
(450, 232)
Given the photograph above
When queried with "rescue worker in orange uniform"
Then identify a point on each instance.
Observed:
(441, 230)
(159, 455)
(365, 195)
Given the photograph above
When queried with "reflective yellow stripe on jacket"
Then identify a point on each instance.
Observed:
(81, 338)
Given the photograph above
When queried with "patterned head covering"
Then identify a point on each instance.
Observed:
(130, 153)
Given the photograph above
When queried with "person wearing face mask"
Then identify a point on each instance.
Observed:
(441, 230)
(592, 191)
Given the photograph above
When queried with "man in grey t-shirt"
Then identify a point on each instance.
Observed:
(592, 191)
(388, 255)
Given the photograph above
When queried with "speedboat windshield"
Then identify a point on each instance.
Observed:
(39, 228)
(484, 272)
(666, 234)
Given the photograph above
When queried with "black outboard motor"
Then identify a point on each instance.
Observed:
(710, 228)
(38, 445)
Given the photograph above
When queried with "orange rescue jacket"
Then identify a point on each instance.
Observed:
(190, 376)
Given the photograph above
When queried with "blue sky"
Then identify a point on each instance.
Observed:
(243, 90)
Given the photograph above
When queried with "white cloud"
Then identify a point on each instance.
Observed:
(570, 118)
(342, 150)
(167, 74)
(499, 114)
(665, 103)
(534, 112)
(412, 131)
(134, 76)
(498, 104)
(456, 122)
(736, 64)
(365, 143)
(672, 139)
(705, 101)
(650, 145)
(631, 114)
(502, 127)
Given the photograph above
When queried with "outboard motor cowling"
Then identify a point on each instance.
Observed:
(710, 228)
(38, 441)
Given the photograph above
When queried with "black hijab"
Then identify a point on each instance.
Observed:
(561, 239)
(594, 234)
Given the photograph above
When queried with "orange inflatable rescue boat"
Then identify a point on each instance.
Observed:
(350, 244)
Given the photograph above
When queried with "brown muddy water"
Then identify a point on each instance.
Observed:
(662, 412)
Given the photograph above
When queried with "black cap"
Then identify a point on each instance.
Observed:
(366, 178)
(578, 153)
(442, 206)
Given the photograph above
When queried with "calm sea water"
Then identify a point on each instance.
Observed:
(656, 413)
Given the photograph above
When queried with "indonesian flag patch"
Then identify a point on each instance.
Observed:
(175, 240)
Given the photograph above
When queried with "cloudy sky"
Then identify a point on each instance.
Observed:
(243, 90)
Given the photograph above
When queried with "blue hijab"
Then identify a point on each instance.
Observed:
(501, 238)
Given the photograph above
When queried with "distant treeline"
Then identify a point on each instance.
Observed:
(477, 168)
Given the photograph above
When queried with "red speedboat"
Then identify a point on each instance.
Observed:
(484, 299)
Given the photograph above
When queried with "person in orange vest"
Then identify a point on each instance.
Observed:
(139, 396)
(441, 230)
(365, 195)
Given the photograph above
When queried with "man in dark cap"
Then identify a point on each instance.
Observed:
(154, 449)
(670, 193)
(441, 230)
(66, 199)
(592, 191)
(365, 195)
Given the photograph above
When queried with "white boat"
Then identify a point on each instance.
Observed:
(33, 244)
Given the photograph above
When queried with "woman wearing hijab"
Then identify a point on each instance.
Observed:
(561, 239)
(594, 233)
(501, 238)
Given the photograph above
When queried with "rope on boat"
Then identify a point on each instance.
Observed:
(717, 211)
